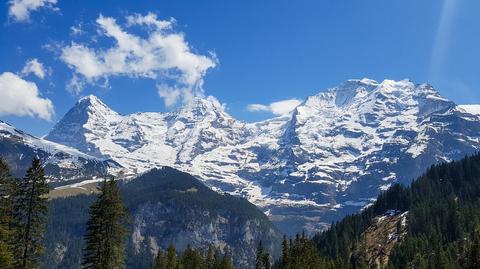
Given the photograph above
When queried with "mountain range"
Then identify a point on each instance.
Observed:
(331, 156)
(61, 163)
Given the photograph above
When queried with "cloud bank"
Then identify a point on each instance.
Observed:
(159, 53)
(20, 10)
(279, 108)
(22, 98)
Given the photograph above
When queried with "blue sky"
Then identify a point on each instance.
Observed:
(241, 52)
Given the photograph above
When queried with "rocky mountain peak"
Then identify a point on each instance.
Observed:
(336, 151)
(199, 108)
(92, 104)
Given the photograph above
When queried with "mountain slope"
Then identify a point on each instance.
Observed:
(61, 163)
(330, 157)
(434, 223)
(166, 206)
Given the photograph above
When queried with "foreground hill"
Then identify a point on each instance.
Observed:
(332, 156)
(434, 223)
(166, 207)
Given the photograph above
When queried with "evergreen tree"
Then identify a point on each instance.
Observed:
(192, 259)
(6, 233)
(160, 261)
(285, 252)
(260, 260)
(226, 262)
(210, 259)
(473, 254)
(171, 257)
(30, 208)
(106, 230)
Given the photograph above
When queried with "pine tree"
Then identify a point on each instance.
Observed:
(473, 254)
(266, 261)
(192, 259)
(210, 259)
(226, 262)
(106, 230)
(30, 208)
(285, 252)
(260, 260)
(6, 218)
(171, 257)
(160, 261)
(263, 258)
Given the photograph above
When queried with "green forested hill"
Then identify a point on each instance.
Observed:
(443, 223)
(166, 207)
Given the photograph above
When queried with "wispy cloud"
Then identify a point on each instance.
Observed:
(20, 10)
(33, 66)
(22, 98)
(162, 54)
(279, 108)
(443, 38)
(76, 30)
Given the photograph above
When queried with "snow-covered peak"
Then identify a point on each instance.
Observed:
(199, 108)
(93, 104)
(90, 98)
(470, 109)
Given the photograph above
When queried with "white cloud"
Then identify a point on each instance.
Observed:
(258, 107)
(76, 30)
(33, 66)
(22, 98)
(20, 9)
(162, 54)
(169, 94)
(149, 20)
(279, 108)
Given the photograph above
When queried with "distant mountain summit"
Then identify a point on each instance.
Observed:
(61, 163)
(333, 154)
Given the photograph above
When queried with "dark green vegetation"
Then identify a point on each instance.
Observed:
(6, 216)
(443, 225)
(106, 230)
(192, 259)
(23, 212)
(167, 207)
(263, 258)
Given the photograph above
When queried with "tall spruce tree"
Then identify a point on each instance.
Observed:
(226, 262)
(6, 218)
(263, 258)
(210, 258)
(191, 258)
(285, 252)
(160, 261)
(30, 207)
(171, 257)
(106, 230)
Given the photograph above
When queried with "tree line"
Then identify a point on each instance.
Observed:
(443, 228)
(23, 213)
(23, 217)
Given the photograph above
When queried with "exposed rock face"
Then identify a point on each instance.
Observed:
(331, 156)
(168, 207)
(382, 236)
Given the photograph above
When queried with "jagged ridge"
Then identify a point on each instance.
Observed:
(332, 156)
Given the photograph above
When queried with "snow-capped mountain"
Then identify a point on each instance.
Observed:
(332, 155)
(60, 162)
